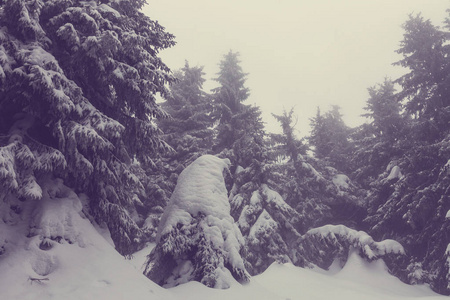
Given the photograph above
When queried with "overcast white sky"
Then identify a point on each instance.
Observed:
(297, 53)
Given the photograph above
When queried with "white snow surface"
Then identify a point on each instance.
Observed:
(263, 225)
(360, 239)
(201, 190)
(197, 185)
(89, 268)
(93, 270)
(395, 173)
(358, 280)
(341, 181)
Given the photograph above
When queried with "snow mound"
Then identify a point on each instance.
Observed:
(57, 216)
(62, 256)
(359, 280)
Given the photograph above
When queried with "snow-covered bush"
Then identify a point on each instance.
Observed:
(323, 245)
(267, 223)
(197, 238)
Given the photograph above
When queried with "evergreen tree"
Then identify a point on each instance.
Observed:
(77, 101)
(188, 130)
(318, 192)
(379, 141)
(228, 98)
(425, 89)
(330, 139)
(286, 143)
(262, 215)
(410, 199)
(240, 130)
(197, 238)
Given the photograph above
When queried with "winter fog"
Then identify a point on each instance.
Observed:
(237, 150)
(303, 54)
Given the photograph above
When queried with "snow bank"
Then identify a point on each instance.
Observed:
(358, 280)
(74, 263)
(57, 216)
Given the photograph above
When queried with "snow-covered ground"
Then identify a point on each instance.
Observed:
(84, 265)
(97, 271)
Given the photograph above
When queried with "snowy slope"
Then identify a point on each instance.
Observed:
(98, 272)
(358, 280)
(93, 270)
(53, 240)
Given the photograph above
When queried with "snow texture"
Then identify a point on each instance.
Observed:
(263, 225)
(97, 271)
(56, 218)
(395, 173)
(200, 189)
(197, 230)
(359, 239)
(81, 265)
(341, 181)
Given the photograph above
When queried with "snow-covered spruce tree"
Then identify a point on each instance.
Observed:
(410, 200)
(268, 224)
(77, 86)
(319, 193)
(333, 243)
(378, 142)
(329, 138)
(197, 237)
(188, 130)
(263, 216)
(227, 99)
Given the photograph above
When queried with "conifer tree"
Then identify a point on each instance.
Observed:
(228, 98)
(425, 89)
(380, 141)
(197, 237)
(77, 101)
(410, 199)
(330, 139)
(318, 192)
(188, 130)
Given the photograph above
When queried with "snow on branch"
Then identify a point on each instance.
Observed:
(197, 237)
(357, 239)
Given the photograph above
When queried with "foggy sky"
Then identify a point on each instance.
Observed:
(297, 53)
